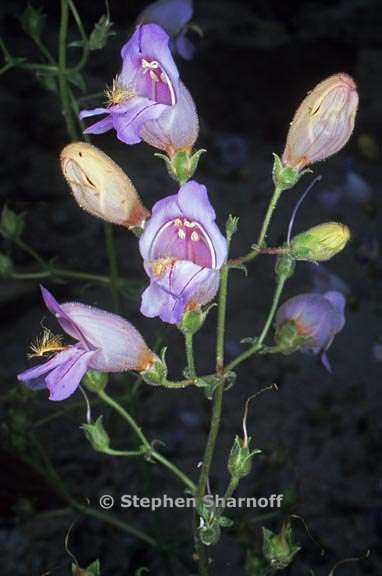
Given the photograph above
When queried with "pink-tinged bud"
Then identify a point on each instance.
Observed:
(323, 122)
(100, 186)
(177, 128)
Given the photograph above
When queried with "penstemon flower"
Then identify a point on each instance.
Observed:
(183, 251)
(177, 128)
(105, 342)
(147, 86)
(100, 186)
(173, 16)
(315, 319)
(323, 122)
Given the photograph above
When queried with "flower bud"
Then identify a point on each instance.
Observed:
(320, 243)
(240, 458)
(100, 186)
(96, 381)
(323, 122)
(11, 223)
(6, 266)
(97, 435)
(279, 549)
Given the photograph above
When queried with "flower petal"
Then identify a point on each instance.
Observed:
(172, 15)
(66, 377)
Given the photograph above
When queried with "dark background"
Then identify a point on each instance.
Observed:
(321, 433)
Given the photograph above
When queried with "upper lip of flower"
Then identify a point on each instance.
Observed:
(190, 232)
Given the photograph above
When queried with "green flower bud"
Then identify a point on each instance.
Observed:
(95, 381)
(97, 435)
(11, 224)
(209, 532)
(182, 164)
(6, 266)
(240, 458)
(279, 549)
(320, 243)
(33, 21)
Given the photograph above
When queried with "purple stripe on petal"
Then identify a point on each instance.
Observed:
(65, 379)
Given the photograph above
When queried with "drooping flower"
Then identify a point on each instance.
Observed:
(323, 122)
(106, 342)
(100, 186)
(315, 318)
(173, 16)
(183, 251)
(147, 86)
(177, 128)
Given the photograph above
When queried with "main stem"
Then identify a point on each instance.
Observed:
(216, 411)
(62, 79)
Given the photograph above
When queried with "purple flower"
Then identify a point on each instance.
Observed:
(183, 251)
(177, 128)
(317, 317)
(147, 86)
(105, 342)
(173, 16)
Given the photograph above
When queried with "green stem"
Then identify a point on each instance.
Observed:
(126, 453)
(146, 444)
(259, 342)
(56, 482)
(188, 339)
(222, 306)
(263, 232)
(113, 264)
(62, 80)
(85, 49)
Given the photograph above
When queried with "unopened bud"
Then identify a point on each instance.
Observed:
(95, 381)
(11, 223)
(279, 549)
(6, 266)
(240, 458)
(97, 435)
(320, 243)
(323, 122)
(100, 186)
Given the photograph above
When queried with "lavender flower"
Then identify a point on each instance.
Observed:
(317, 318)
(147, 86)
(183, 251)
(105, 342)
(177, 128)
(173, 16)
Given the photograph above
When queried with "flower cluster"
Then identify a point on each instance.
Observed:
(182, 248)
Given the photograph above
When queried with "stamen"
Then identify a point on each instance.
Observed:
(181, 234)
(47, 343)
(118, 93)
(194, 236)
(160, 266)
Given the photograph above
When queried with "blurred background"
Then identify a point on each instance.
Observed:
(320, 433)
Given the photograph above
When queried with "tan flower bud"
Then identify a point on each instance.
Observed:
(320, 243)
(100, 186)
(323, 122)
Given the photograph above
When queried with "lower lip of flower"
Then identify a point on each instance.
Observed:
(182, 239)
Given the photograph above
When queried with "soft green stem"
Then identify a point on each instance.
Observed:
(85, 49)
(62, 79)
(151, 452)
(56, 482)
(259, 342)
(188, 338)
(217, 405)
(113, 264)
(263, 232)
